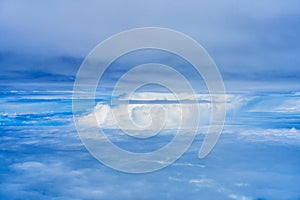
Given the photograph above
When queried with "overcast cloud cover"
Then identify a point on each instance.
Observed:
(254, 41)
(255, 45)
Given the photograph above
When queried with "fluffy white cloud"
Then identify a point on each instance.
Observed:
(146, 116)
(156, 111)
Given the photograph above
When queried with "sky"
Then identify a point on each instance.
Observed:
(254, 44)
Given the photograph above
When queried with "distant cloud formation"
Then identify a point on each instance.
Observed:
(168, 113)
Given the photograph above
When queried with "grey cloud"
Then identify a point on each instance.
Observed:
(245, 39)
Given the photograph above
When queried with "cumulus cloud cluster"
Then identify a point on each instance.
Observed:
(156, 111)
(153, 111)
(142, 116)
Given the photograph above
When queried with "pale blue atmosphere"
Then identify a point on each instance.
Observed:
(255, 45)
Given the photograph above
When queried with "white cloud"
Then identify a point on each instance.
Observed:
(291, 105)
(28, 165)
(274, 132)
(282, 135)
(75, 184)
(157, 111)
(239, 197)
(203, 182)
(145, 116)
(277, 103)
(160, 96)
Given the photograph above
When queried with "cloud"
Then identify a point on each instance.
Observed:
(291, 105)
(238, 197)
(156, 111)
(242, 111)
(204, 182)
(46, 162)
(280, 135)
(246, 45)
(144, 116)
(284, 103)
(50, 175)
(57, 25)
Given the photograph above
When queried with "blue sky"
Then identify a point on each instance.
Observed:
(255, 45)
